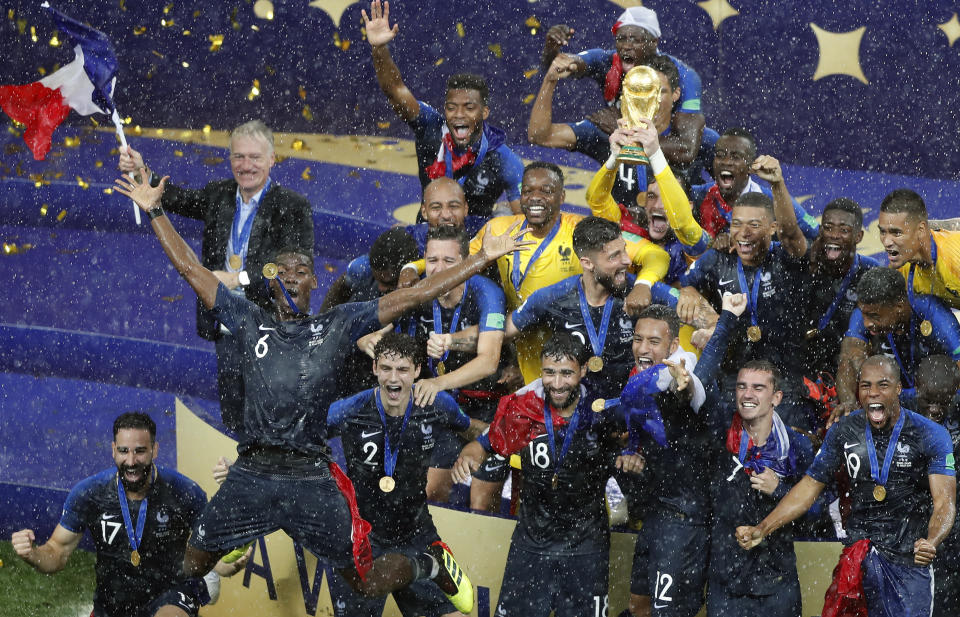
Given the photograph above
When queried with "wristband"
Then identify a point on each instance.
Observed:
(658, 162)
(643, 282)
(243, 278)
(155, 212)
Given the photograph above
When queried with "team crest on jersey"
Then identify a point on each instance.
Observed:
(481, 179)
(317, 336)
(316, 328)
(428, 441)
(626, 329)
(564, 252)
(163, 517)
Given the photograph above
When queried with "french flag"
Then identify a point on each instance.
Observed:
(85, 86)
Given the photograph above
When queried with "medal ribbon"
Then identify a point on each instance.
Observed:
(880, 476)
(896, 355)
(851, 273)
(567, 438)
(240, 238)
(390, 455)
(596, 341)
(454, 321)
(286, 294)
(133, 536)
(515, 277)
(448, 155)
(752, 293)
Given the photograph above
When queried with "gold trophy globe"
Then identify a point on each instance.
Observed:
(640, 99)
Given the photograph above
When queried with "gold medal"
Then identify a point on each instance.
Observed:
(595, 364)
(879, 493)
(754, 334)
(441, 368)
(235, 262)
(270, 270)
(812, 333)
(926, 328)
(598, 405)
(135, 559)
(555, 481)
(387, 484)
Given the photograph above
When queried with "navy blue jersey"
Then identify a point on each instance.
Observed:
(892, 525)
(359, 276)
(401, 514)
(292, 369)
(483, 306)
(500, 171)
(471, 225)
(173, 502)
(822, 350)
(700, 192)
(557, 307)
(910, 347)
(780, 304)
(598, 63)
(756, 572)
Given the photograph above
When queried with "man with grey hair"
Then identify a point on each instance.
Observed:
(246, 220)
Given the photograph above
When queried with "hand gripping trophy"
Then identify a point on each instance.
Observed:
(640, 99)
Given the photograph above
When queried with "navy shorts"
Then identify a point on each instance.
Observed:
(494, 469)
(249, 504)
(783, 602)
(894, 589)
(446, 448)
(421, 597)
(670, 565)
(569, 585)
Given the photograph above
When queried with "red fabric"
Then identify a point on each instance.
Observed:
(483, 395)
(40, 109)
(360, 528)
(519, 419)
(711, 212)
(844, 597)
(628, 225)
(611, 86)
(733, 437)
(439, 167)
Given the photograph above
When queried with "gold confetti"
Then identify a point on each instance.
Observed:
(216, 41)
(307, 113)
(185, 65)
(166, 23)
(532, 22)
(159, 132)
(342, 44)
(167, 9)
(383, 125)
(212, 160)
(186, 33)
(123, 5)
(178, 153)
(233, 19)
(529, 99)
(377, 184)
(83, 184)
(196, 14)
(43, 210)
(98, 164)
(127, 120)
(71, 142)
(306, 174)
(108, 190)
(138, 30)
(298, 145)
(186, 134)
(303, 93)
(328, 268)
(156, 53)
(438, 62)
(42, 70)
(33, 34)
(460, 31)
(531, 72)
(495, 48)
(21, 25)
(206, 129)
(62, 215)
(94, 122)
(254, 91)
(172, 298)
(54, 41)
(10, 14)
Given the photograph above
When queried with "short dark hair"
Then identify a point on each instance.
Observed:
(545, 165)
(739, 131)
(845, 204)
(904, 201)
(400, 345)
(592, 233)
(469, 81)
(881, 360)
(449, 232)
(937, 371)
(392, 250)
(884, 286)
(756, 200)
(295, 250)
(665, 65)
(764, 366)
(563, 345)
(135, 420)
(661, 312)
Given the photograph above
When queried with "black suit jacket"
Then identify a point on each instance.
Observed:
(283, 219)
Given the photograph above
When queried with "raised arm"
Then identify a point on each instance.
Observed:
(683, 143)
(50, 557)
(788, 229)
(853, 352)
(203, 281)
(379, 34)
(398, 302)
(541, 130)
(793, 506)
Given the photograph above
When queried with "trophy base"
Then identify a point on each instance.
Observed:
(633, 155)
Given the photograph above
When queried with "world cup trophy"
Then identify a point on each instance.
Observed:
(640, 99)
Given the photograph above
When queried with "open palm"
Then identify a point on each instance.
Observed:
(377, 24)
(139, 190)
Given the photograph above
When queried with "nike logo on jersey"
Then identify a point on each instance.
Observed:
(658, 605)
(107, 517)
(570, 326)
(264, 328)
(850, 445)
(365, 434)
(723, 282)
(426, 320)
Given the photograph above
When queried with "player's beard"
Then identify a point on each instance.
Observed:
(139, 485)
(569, 400)
(608, 282)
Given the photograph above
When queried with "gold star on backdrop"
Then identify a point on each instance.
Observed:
(839, 53)
(627, 3)
(718, 10)
(333, 8)
(951, 29)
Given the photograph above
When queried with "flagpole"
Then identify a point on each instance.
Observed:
(123, 144)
